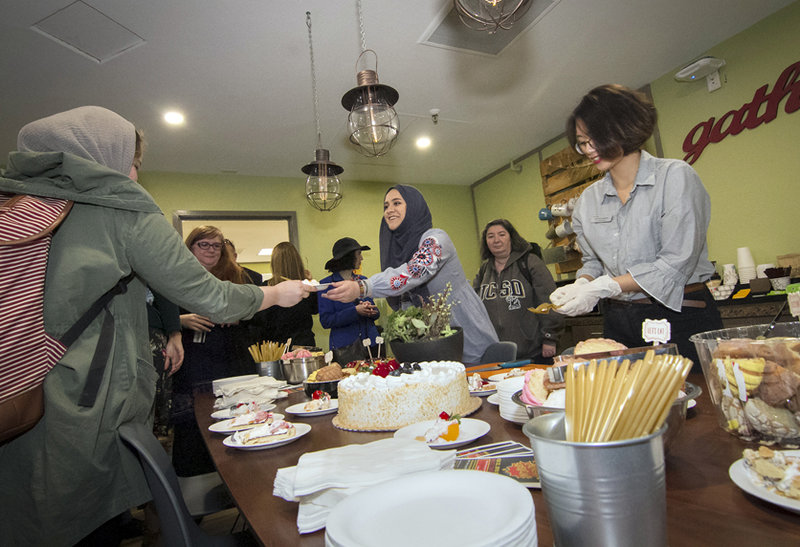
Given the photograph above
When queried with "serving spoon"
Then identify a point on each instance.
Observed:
(771, 326)
(544, 307)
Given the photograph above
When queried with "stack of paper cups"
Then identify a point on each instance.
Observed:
(729, 276)
(745, 264)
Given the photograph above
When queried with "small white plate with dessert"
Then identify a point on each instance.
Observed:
(435, 432)
(310, 408)
(748, 480)
(484, 391)
(512, 373)
(228, 413)
(478, 387)
(273, 435)
(245, 421)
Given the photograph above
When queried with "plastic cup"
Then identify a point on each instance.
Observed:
(610, 493)
(744, 258)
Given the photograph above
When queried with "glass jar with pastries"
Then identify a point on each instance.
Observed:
(754, 380)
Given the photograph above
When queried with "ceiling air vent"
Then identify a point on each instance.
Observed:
(88, 32)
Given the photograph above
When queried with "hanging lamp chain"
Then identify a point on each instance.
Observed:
(361, 26)
(314, 80)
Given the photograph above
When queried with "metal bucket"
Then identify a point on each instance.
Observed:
(609, 493)
(271, 368)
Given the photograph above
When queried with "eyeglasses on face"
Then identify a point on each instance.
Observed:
(581, 146)
(205, 245)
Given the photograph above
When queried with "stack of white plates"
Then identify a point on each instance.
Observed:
(442, 508)
(510, 410)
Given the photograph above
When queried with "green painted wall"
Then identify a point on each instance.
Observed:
(752, 177)
(358, 215)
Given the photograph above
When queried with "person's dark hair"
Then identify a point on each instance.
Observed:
(518, 244)
(347, 262)
(618, 120)
(138, 153)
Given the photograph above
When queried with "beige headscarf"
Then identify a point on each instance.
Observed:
(90, 132)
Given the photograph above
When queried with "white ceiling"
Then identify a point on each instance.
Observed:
(240, 71)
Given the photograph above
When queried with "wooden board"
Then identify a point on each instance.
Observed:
(558, 161)
(569, 266)
(571, 176)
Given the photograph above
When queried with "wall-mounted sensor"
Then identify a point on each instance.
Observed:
(704, 67)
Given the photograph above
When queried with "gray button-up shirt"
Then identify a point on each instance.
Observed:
(658, 236)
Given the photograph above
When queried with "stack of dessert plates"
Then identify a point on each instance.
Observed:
(510, 410)
(442, 508)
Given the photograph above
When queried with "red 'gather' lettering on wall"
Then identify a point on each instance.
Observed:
(747, 117)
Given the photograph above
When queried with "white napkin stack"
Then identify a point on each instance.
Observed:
(322, 479)
(261, 389)
(509, 410)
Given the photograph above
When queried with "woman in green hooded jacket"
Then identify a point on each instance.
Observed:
(72, 473)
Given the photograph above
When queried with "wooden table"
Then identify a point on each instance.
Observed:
(704, 507)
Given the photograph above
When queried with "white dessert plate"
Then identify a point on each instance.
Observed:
(493, 399)
(299, 410)
(301, 429)
(502, 376)
(469, 430)
(226, 413)
(455, 507)
(319, 286)
(226, 427)
(739, 475)
(487, 390)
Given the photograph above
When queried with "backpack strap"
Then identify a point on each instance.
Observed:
(523, 266)
(104, 343)
(42, 227)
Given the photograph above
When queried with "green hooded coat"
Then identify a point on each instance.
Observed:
(71, 472)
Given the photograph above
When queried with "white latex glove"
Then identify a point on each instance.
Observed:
(588, 294)
(564, 294)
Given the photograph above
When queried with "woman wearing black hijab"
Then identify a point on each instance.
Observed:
(418, 261)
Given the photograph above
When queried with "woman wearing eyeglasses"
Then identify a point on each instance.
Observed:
(211, 351)
(641, 228)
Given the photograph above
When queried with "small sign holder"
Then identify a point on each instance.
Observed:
(657, 331)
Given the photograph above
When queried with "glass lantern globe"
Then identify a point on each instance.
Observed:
(323, 187)
(373, 124)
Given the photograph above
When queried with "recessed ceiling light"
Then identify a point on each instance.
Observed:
(265, 252)
(174, 118)
(423, 142)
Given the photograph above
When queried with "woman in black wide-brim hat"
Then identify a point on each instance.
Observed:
(350, 322)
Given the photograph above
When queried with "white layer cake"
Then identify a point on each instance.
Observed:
(370, 403)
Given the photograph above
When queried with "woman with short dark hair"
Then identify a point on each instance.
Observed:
(641, 228)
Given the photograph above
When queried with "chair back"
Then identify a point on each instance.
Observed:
(499, 352)
(178, 528)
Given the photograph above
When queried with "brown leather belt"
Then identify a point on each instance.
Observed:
(693, 287)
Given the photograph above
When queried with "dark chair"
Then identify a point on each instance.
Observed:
(499, 352)
(178, 527)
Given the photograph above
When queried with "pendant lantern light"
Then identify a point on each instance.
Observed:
(323, 188)
(491, 15)
(373, 125)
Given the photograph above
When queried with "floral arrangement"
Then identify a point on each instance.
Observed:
(429, 321)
